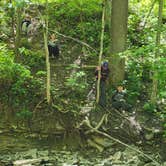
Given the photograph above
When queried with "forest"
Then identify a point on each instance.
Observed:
(82, 83)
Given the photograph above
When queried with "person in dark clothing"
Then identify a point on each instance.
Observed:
(25, 23)
(104, 76)
(53, 47)
(119, 99)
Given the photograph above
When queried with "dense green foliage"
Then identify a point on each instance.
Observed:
(81, 19)
(19, 88)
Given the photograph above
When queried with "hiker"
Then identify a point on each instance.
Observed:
(33, 27)
(119, 99)
(104, 76)
(25, 24)
(53, 47)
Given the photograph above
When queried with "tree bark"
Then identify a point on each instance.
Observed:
(155, 72)
(48, 84)
(82, 27)
(100, 54)
(18, 31)
(119, 16)
(108, 14)
(12, 22)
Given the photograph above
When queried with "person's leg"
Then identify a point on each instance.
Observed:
(116, 105)
(55, 51)
(127, 106)
(102, 99)
(50, 50)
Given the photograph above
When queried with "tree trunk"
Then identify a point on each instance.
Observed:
(100, 54)
(155, 72)
(119, 16)
(48, 84)
(18, 31)
(12, 22)
(82, 28)
(108, 15)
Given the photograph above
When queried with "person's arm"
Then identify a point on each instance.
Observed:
(96, 71)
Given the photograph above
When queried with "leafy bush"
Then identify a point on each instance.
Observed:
(85, 19)
(133, 81)
(25, 113)
(19, 88)
(77, 82)
(33, 60)
(149, 107)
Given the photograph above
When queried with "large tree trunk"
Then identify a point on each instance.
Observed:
(82, 27)
(119, 16)
(158, 36)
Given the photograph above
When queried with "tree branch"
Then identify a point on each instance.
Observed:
(74, 39)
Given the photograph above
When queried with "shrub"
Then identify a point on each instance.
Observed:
(19, 88)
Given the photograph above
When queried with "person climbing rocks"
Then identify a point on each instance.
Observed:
(53, 47)
(119, 99)
(25, 24)
(33, 28)
(104, 77)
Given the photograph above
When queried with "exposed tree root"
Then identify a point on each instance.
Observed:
(95, 129)
(37, 106)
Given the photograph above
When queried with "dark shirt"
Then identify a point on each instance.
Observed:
(118, 96)
(104, 73)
